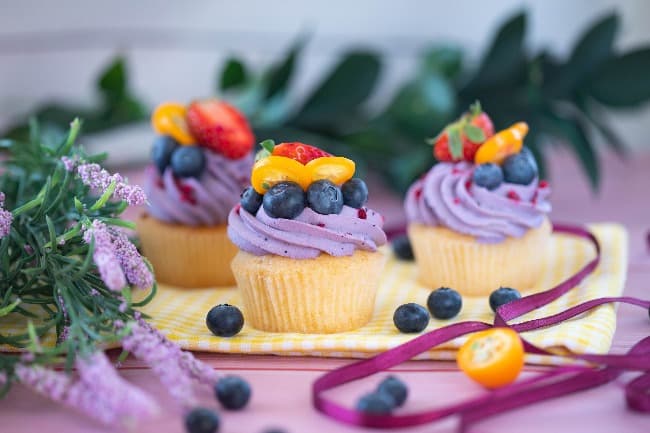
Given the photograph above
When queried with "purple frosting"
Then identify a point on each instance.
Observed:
(309, 234)
(446, 196)
(198, 202)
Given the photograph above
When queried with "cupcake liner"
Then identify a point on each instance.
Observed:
(187, 256)
(449, 259)
(322, 295)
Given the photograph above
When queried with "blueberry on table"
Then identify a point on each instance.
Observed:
(233, 392)
(201, 420)
(188, 161)
(395, 388)
(444, 303)
(376, 403)
(402, 247)
(251, 200)
(284, 200)
(355, 193)
(224, 320)
(519, 169)
(502, 296)
(161, 152)
(410, 318)
(488, 176)
(324, 197)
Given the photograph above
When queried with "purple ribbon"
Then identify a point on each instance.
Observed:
(550, 384)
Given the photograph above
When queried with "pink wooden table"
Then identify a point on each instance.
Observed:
(281, 386)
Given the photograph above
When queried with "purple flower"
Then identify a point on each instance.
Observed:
(104, 256)
(175, 369)
(6, 218)
(136, 271)
(94, 176)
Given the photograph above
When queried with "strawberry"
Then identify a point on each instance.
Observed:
(303, 153)
(220, 127)
(466, 135)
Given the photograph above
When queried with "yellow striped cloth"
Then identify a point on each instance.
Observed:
(180, 313)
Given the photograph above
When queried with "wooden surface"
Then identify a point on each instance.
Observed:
(281, 386)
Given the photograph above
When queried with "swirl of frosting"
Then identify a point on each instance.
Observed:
(198, 202)
(446, 196)
(308, 235)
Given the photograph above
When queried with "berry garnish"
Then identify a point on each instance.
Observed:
(201, 420)
(324, 197)
(502, 144)
(402, 247)
(220, 127)
(519, 169)
(502, 296)
(444, 303)
(233, 392)
(251, 200)
(529, 154)
(224, 320)
(188, 161)
(488, 176)
(376, 403)
(274, 169)
(161, 152)
(303, 153)
(410, 318)
(336, 169)
(462, 139)
(395, 388)
(355, 193)
(170, 119)
(284, 200)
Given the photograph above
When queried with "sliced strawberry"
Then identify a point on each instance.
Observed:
(303, 153)
(219, 126)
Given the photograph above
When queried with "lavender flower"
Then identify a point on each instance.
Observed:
(94, 176)
(6, 218)
(136, 271)
(100, 392)
(104, 256)
(175, 369)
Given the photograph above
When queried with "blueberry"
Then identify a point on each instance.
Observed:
(324, 197)
(376, 403)
(488, 176)
(395, 388)
(284, 200)
(402, 247)
(233, 392)
(409, 318)
(444, 303)
(251, 200)
(529, 154)
(188, 161)
(224, 320)
(518, 169)
(355, 193)
(161, 153)
(502, 296)
(201, 420)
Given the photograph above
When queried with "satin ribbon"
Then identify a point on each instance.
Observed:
(601, 369)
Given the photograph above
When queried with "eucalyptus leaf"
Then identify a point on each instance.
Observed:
(622, 81)
(279, 76)
(445, 60)
(113, 81)
(234, 75)
(611, 138)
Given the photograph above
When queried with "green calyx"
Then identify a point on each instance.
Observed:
(266, 151)
(462, 128)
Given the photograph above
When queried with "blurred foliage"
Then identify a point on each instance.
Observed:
(563, 100)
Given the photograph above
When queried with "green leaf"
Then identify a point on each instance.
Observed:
(424, 106)
(474, 133)
(405, 168)
(279, 75)
(622, 81)
(443, 60)
(113, 80)
(234, 75)
(505, 56)
(612, 139)
(9, 308)
(591, 50)
(342, 92)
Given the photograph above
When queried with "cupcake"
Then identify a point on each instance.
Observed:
(308, 259)
(477, 220)
(201, 161)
